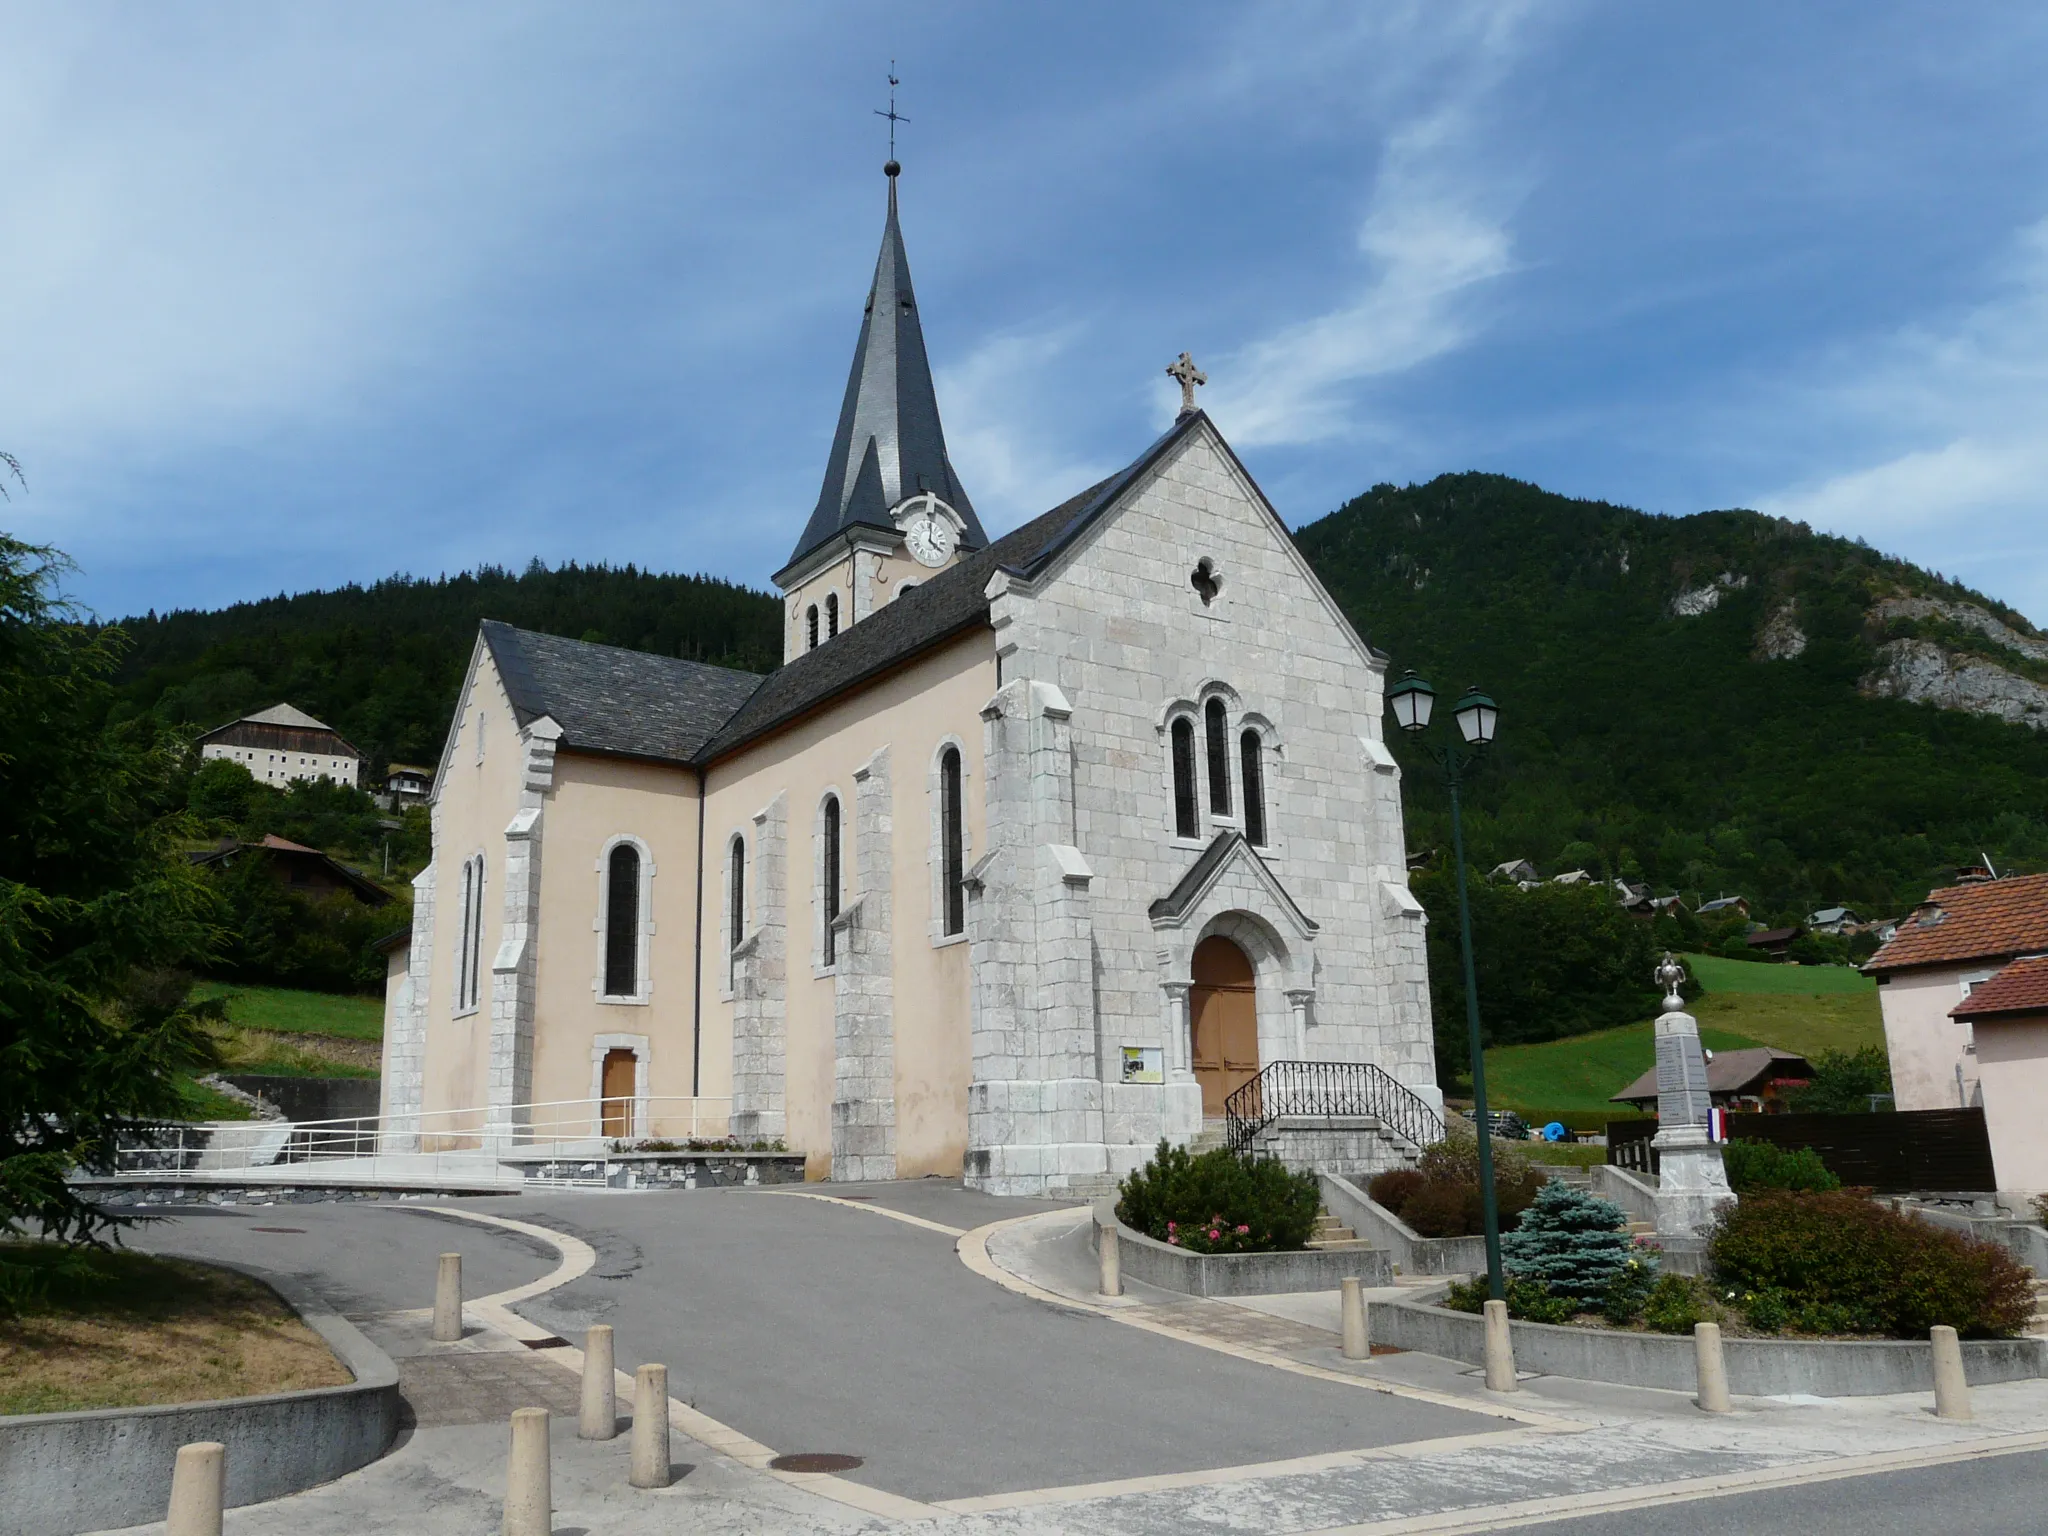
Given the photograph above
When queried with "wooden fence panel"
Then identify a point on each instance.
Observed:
(1936, 1150)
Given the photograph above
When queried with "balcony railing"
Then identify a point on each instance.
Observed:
(1334, 1090)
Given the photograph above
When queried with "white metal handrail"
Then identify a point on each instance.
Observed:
(439, 1143)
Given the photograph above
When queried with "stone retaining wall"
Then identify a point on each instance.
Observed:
(68, 1472)
(1411, 1253)
(1756, 1367)
(1246, 1274)
(666, 1170)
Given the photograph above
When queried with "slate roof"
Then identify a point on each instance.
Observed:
(612, 701)
(637, 705)
(1985, 920)
(1730, 1072)
(889, 444)
(2021, 987)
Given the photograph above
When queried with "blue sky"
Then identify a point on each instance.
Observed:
(296, 295)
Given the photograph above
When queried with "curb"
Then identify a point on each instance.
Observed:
(55, 1466)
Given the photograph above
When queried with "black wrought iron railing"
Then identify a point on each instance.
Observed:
(1331, 1090)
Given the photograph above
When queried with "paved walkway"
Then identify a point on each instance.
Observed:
(989, 1391)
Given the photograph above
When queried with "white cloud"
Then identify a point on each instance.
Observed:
(1939, 438)
(998, 403)
(1435, 235)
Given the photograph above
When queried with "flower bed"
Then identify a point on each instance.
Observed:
(1220, 1203)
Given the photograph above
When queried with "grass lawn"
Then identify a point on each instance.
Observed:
(1719, 975)
(315, 1013)
(144, 1330)
(1802, 1008)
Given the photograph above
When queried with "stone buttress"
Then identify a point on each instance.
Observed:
(1034, 1106)
(760, 1032)
(863, 992)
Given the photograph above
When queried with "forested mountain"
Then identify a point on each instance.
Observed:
(382, 664)
(1717, 703)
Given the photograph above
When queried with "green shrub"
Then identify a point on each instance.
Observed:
(1628, 1291)
(1572, 1241)
(1529, 1301)
(1676, 1302)
(1843, 1082)
(1760, 1165)
(1844, 1264)
(1253, 1205)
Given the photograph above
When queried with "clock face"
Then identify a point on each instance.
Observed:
(930, 537)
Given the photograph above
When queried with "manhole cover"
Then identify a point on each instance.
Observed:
(815, 1461)
(300, 1231)
(547, 1342)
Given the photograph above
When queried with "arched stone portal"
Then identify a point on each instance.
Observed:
(1223, 1013)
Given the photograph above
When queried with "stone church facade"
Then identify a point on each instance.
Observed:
(1031, 852)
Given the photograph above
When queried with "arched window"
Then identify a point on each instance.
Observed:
(736, 905)
(831, 614)
(1252, 771)
(953, 852)
(811, 627)
(1186, 818)
(828, 879)
(1219, 757)
(622, 922)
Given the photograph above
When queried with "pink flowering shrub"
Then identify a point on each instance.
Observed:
(1220, 1202)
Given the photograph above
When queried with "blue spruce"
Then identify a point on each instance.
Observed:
(1571, 1241)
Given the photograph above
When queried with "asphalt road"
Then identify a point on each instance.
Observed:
(814, 1327)
(1994, 1496)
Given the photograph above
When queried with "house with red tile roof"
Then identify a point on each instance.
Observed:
(1952, 943)
(2008, 1019)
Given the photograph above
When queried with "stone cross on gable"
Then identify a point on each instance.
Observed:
(1188, 376)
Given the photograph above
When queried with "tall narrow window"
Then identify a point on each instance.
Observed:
(736, 902)
(811, 627)
(1219, 758)
(953, 854)
(1252, 772)
(831, 614)
(622, 922)
(1186, 821)
(469, 964)
(468, 934)
(828, 877)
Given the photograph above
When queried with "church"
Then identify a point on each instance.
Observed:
(1034, 851)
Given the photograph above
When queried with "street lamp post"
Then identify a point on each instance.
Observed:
(1412, 702)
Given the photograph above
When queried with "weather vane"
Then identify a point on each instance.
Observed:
(892, 114)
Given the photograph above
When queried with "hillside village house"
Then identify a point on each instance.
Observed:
(1952, 943)
(1031, 853)
(2008, 1020)
(281, 744)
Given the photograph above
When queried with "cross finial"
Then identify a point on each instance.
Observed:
(894, 117)
(1189, 376)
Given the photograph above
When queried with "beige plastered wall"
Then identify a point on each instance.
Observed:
(2012, 1059)
(1924, 1043)
(911, 711)
(475, 799)
(595, 801)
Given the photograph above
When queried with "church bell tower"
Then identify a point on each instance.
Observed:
(891, 512)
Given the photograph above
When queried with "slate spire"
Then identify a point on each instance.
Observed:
(889, 444)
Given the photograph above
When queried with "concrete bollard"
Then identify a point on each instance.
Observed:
(1357, 1343)
(1500, 1349)
(448, 1300)
(1112, 1281)
(600, 1416)
(650, 1427)
(1712, 1367)
(198, 1483)
(529, 1492)
(1951, 1386)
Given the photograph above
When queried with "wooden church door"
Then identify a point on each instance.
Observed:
(1223, 1008)
(617, 1110)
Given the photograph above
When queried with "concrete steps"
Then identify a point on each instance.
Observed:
(2037, 1325)
(1332, 1234)
(1208, 1139)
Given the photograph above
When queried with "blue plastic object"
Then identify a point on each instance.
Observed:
(1554, 1131)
